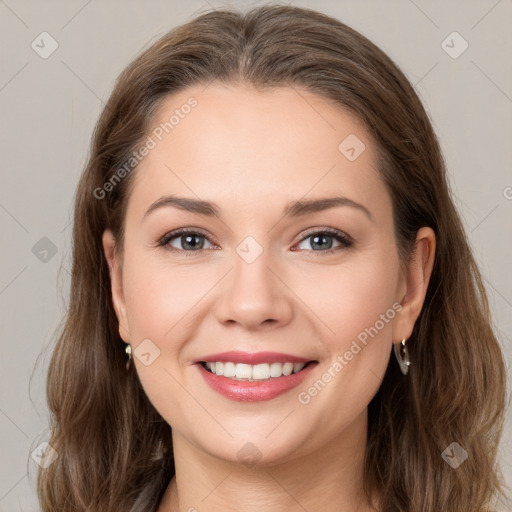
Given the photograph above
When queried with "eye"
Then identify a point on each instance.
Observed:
(322, 240)
(187, 240)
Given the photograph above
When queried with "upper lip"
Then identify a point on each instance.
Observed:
(252, 359)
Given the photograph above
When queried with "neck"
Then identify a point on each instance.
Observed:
(329, 478)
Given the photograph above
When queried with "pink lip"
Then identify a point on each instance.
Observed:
(252, 359)
(255, 391)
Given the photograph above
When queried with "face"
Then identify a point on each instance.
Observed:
(253, 274)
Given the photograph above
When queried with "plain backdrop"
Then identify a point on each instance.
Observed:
(50, 102)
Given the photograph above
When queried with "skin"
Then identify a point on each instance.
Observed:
(251, 153)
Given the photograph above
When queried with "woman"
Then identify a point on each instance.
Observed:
(264, 371)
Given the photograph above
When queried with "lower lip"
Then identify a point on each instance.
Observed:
(256, 391)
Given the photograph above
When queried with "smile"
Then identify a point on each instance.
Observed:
(250, 373)
(245, 382)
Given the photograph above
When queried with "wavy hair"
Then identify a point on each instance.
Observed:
(114, 449)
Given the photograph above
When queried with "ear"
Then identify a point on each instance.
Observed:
(416, 281)
(116, 280)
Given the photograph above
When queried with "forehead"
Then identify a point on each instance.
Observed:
(249, 147)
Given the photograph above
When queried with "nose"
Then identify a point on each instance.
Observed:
(253, 296)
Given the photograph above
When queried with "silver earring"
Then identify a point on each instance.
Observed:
(128, 350)
(402, 356)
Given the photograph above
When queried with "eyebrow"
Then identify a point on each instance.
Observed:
(293, 209)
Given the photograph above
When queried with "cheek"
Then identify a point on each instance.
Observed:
(357, 306)
(161, 297)
(351, 297)
(161, 301)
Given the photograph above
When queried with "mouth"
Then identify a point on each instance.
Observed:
(243, 372)
(245, 382)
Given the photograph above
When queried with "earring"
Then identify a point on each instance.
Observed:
(402, 356)
(128, 350)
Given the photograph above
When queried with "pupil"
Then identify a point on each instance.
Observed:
(188, 241)
(323, 238)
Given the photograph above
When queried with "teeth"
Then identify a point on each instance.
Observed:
(242, 371)
(287, 368)
(229, 369)
(264, 371)
(276, 370)
(261, 371)
(297, 367)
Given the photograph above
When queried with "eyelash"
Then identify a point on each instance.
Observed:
(345, 240)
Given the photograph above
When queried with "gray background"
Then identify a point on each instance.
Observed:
(49, 108)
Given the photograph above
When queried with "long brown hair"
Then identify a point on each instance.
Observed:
(114, 449)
